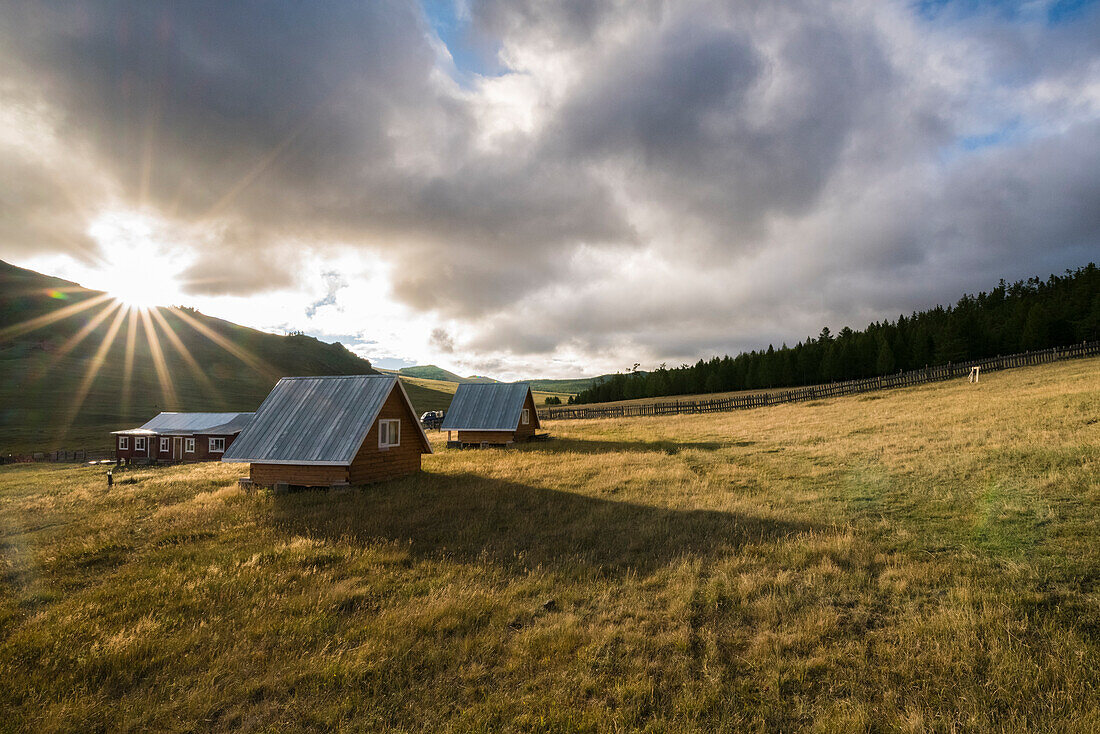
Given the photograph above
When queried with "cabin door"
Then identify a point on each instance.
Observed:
(177, 448)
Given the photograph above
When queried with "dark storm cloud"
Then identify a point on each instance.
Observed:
(685, 115)
(684, 176)
(442, 341)
(218, 87)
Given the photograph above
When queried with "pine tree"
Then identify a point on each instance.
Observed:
(884, 363)
(1032, 314)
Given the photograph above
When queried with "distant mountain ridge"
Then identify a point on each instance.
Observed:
(569, 385)
(52, 333)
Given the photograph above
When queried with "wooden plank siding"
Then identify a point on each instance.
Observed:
(297, 474)
(525, 432)
(493, 437)
(374, 464)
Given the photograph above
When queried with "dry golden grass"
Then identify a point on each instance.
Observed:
(695, 397)
(918, 560)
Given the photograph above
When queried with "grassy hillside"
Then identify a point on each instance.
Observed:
(52, 336)
(571, 387)
(429, 394)
(917, 560)
(549, 387)
(431, 372)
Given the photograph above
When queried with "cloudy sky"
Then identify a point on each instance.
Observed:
(530, 188)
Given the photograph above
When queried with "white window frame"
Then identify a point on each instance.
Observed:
(386, 429)
(526, 416)
(123, 443)
(188, 445)
(139, 443)
(165, 444)
(217, 445)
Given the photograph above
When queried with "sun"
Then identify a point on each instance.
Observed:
(137, 265)
(137, 292)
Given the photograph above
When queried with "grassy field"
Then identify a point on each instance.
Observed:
(919, 560)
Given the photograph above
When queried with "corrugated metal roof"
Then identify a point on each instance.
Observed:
(489, 406)
(225, 424)
(313, 420)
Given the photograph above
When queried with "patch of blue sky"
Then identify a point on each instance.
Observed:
(355, 343)
(348, 340)
(1049, 11)
(471, 52)
(1065, 11)
(1010, 133)
(1003, 135)
(391, 363)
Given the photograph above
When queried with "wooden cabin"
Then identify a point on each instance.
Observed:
(332, 431)
(180, 437)
(492, 414)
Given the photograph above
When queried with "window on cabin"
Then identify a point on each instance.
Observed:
(163, 445)
(217, 445)
(526, 416)
(189, 445)
(124, 442)
(389, 433)
(139, 444)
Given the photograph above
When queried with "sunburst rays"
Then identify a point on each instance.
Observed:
(144, 328)
(167, 389)
(128, 364)
(72, 342)
(181, 349)
(144, 324)
(91, 373)
(10, 332)
(237, 351)
(267, 160)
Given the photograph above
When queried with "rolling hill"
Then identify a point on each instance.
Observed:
(76, 364)
(431, 372)
(571, 386)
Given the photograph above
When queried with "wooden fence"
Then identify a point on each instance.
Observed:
(832, 390)
(61, 455)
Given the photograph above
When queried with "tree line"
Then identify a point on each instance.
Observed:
(1018, 317)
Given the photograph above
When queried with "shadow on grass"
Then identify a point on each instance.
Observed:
(472, 518)
(584, 446)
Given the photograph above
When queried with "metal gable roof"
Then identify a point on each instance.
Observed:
(313, 420)
(489, 406)
(189, 423)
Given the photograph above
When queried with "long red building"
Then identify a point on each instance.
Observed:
(180, 437)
